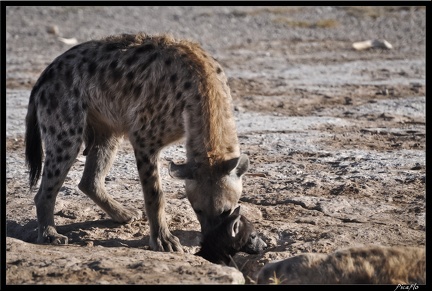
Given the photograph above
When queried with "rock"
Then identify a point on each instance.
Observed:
(49, 264)
(52, 29)
(70, 41)
(375, 43)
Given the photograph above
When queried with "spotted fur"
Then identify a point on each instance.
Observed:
(153, 90)
(361, 265)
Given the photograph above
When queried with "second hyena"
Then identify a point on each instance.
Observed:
(154, 90)
(355, 265)
(234, 234)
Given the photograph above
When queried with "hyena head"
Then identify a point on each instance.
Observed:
(213, 192)
(234, 234)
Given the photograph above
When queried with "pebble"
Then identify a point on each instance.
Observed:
(374, 43)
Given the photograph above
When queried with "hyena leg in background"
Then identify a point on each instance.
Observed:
(100, 157)
(161, 238)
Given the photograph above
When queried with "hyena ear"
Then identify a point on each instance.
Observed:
(234, 227)
(181, 171)
(236, 211)
(240, 165)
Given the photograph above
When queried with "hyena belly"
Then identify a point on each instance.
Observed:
(151, 89)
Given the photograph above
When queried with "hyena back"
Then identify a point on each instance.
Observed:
(356, 265)
(153, 90)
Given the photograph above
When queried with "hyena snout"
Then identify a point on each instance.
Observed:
(254, 245)
(209, 223)
(242, 233)
(235, 234)
(213, 192)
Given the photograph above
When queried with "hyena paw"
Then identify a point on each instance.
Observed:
(166, 243)
(50, 236)
(127, 216)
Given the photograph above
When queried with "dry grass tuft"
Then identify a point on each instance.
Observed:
(324, 23)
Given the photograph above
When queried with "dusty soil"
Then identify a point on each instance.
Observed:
(335, 136)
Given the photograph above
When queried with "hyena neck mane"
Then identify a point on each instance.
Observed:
(211, 135)
(212, 138)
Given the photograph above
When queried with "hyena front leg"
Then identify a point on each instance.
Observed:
(101, 153)
(161, 239)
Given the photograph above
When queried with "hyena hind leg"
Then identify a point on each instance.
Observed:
(56, 167)
(100, 157)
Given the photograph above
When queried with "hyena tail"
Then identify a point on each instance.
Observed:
(33, 143)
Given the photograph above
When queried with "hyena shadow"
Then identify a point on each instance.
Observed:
(76, 233)
(28, 232)
(24, 232)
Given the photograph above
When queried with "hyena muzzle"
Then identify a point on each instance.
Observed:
(234, 234)
(153, 90)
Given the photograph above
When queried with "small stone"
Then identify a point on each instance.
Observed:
(53, 29)
(70, 41)
(373, 43)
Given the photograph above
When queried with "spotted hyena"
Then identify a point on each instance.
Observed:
(357, 265)
(153, 90)
(234, 234)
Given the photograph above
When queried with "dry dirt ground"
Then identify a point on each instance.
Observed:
(335, 136)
